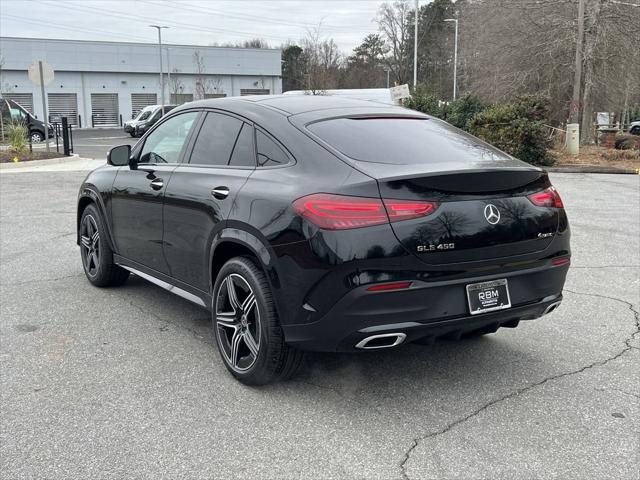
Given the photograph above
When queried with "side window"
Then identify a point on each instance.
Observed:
(243, 155)
(269, 153)
(165, 143)
(18, 115)
(215, 140)
(156, 116)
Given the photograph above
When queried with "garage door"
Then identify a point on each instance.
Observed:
(63, 105)
(104, 110)
(180, 98)
(254, 91)
(24, 99)
(141, 100)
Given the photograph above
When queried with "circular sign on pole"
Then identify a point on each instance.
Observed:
(34, 73)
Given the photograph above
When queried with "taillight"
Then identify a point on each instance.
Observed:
(340, 212)
(547, 198)
(404, 210)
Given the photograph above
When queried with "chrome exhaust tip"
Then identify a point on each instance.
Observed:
(385, 340)
(551, 308)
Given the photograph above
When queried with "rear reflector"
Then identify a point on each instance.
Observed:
(561, 261)
(547, 198)
(385, 287)
(340, 212)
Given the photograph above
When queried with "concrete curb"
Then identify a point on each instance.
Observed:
(37, 163)
(592, 169)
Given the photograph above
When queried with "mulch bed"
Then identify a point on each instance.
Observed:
(7, 157)
(592, 155)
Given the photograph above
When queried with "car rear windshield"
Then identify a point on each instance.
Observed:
(400, 140)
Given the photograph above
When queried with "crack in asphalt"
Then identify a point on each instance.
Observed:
(415, 442)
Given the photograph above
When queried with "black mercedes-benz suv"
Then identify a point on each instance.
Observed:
(317, 223)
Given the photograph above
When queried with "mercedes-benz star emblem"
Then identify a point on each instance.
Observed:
(492, 214)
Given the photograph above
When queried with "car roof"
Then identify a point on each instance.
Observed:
(291, 104)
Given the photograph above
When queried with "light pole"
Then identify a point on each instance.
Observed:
(455, 58)
(169, 73)
(415, 48)
(160, 27)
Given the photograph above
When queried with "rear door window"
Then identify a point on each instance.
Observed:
(243, 153)
(216, 140)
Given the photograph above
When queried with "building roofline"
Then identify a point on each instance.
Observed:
(152, 44)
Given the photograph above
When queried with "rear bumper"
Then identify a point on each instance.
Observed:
(426, 311)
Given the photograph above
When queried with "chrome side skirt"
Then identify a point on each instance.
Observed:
(167, 286)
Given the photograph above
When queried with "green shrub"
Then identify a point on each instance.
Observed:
(17, 135)
(424, 101)
(460, 112)
(518, 128)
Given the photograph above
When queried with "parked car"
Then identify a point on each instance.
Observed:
(147, 117)
(328, 224)
(634, 128)
(12, 111)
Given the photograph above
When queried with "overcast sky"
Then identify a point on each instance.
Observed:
(197, 22)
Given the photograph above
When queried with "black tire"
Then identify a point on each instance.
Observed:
(36, 137)
(635, 131)
(95, 252)
(274, 360)
(132, 134)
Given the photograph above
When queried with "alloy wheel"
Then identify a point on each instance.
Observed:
(237, 322)
(90, 245)
(36, 137)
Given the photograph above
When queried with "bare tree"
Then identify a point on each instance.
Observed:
(512, 47)
(393, 24)
(175, 84)
(203, 84)
(323, 60)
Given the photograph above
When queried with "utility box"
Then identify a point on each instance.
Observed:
(573, 138)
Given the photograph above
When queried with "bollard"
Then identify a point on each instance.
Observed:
(65, 136)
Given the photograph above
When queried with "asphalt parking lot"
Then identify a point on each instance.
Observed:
(126, 382)
(96, 142)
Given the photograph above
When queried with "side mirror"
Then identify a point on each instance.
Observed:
(119, 156)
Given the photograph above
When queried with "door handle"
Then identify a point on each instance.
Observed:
(220, 193)
(157, 184)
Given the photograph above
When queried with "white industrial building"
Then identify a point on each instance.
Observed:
(107, 83)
